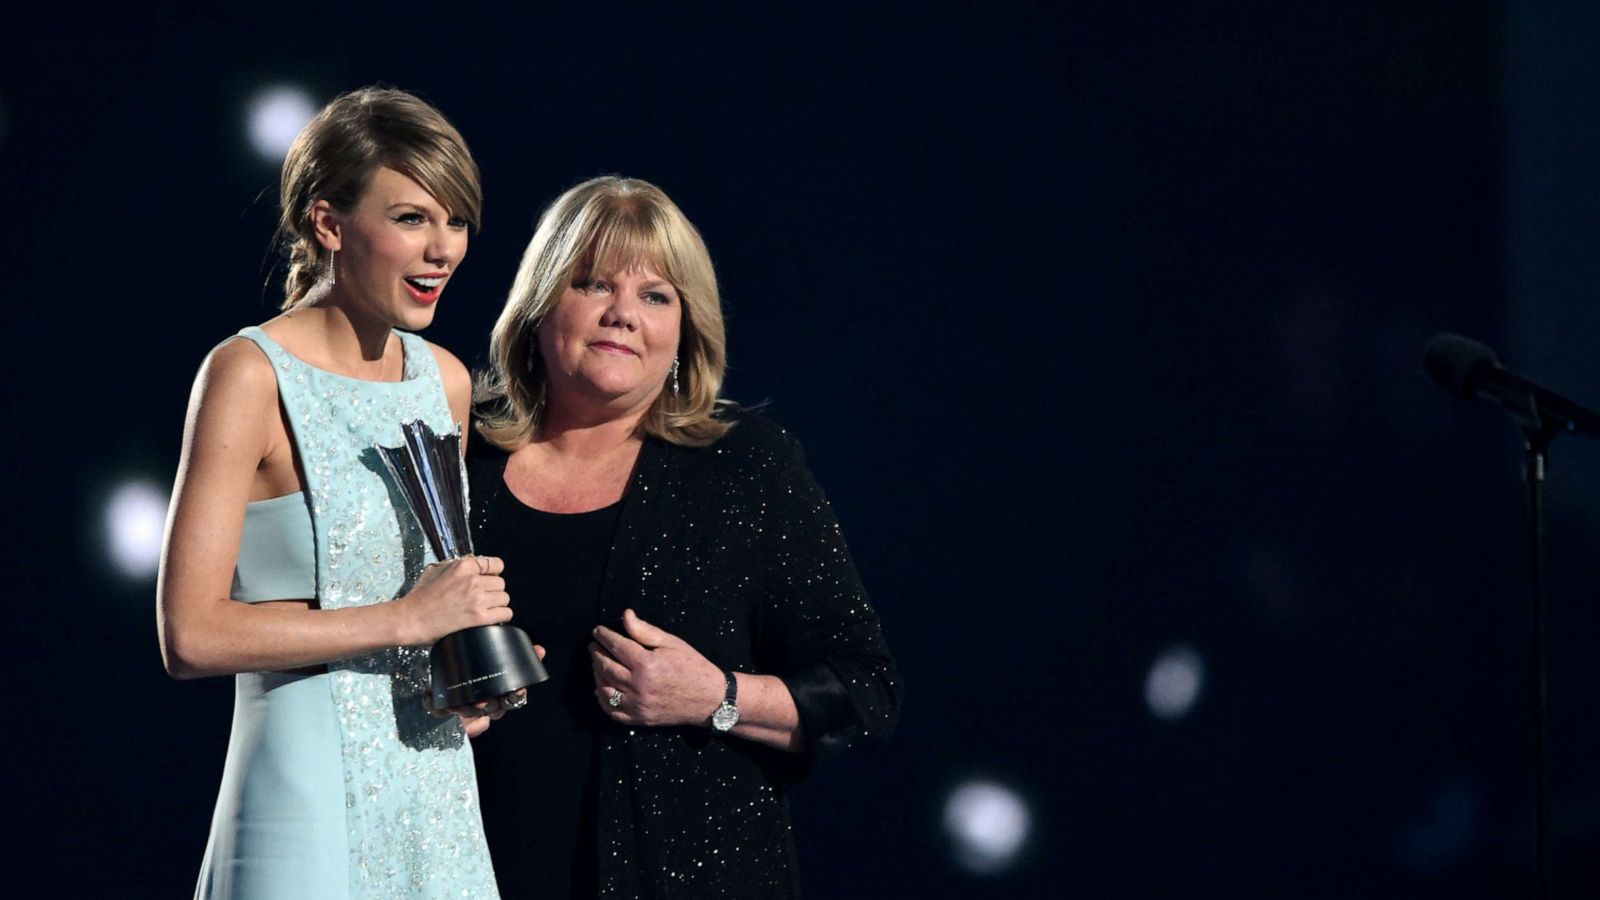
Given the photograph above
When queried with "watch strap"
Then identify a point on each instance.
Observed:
(727, 712)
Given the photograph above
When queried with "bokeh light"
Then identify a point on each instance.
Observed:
(276, 115)
(135, 517)
(1175, 681)
(987, 824)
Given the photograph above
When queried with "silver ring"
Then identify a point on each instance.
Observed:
(615, 700)
(483, 565)
(516, 702)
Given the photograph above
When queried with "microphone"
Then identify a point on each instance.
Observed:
(1469, 370)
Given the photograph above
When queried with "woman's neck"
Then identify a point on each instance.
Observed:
(575, 466)
(348, 343)
(592, 437)
(350, 335)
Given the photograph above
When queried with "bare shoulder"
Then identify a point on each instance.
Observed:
(237, 370)
(457, 380)
(233, 408)
(450, 368)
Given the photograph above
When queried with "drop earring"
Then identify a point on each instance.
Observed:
(675, 375)
(332, 276)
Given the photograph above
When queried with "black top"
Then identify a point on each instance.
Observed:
(734, 549)
(536, 765)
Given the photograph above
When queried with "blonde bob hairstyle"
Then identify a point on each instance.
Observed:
(608, 223)
(335, 156)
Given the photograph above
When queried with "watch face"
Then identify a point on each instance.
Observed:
(726, 716)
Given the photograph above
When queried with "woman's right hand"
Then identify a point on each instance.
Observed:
(461, 593)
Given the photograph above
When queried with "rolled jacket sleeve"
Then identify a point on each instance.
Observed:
(828, 644)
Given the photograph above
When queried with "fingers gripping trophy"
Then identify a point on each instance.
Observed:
(475, 664)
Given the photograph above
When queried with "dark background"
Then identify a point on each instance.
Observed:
(1101, 326)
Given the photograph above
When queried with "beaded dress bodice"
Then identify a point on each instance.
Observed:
(411, 799)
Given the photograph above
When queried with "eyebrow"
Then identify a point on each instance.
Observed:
(583, 273)
(411, 203)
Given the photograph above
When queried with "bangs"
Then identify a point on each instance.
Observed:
(606, 226)
(628, 236)
(451, 179)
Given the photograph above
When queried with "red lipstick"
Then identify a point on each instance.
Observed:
(426, 288)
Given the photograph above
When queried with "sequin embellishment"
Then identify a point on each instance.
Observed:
(411, 798)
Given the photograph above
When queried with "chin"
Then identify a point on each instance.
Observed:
(417, 319)
(612, 389)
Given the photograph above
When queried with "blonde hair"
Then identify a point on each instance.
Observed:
(608, 223)
(335, 156)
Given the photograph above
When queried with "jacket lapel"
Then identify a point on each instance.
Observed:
(643, 536)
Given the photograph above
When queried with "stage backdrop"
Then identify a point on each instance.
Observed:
(1102, 328)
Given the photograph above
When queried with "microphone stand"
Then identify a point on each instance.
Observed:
(1469, 370)
(1536, 452)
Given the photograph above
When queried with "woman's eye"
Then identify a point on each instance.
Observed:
(459, 223)
(410, 218)
(658, 298)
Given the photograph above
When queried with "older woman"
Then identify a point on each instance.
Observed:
(708, 632)
(285, 560)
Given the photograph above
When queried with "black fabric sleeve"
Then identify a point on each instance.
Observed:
(825, 634)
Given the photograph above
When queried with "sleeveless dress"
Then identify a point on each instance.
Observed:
(341, 784)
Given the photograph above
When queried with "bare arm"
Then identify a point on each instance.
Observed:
(226, 439)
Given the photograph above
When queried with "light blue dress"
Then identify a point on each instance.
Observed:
(342, 785)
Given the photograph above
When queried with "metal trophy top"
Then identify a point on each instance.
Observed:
(431, 474)
(475, 664)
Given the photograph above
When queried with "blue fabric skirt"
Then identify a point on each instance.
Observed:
(279, 830)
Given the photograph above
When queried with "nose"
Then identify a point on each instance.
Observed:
(622, 311)
(446, 247)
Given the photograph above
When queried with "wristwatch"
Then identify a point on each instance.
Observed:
(727, 715)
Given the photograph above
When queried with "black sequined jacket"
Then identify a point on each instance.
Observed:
(733, 548)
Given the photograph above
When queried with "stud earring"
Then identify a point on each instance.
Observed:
(675, 375)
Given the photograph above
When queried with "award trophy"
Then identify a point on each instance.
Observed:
(475, 664)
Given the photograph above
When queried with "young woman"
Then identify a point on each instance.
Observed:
(289, 560)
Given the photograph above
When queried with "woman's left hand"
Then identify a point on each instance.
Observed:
(474, 725)
(662, 680)
(476, 717)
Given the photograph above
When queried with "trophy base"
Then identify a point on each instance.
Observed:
(482, 663)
